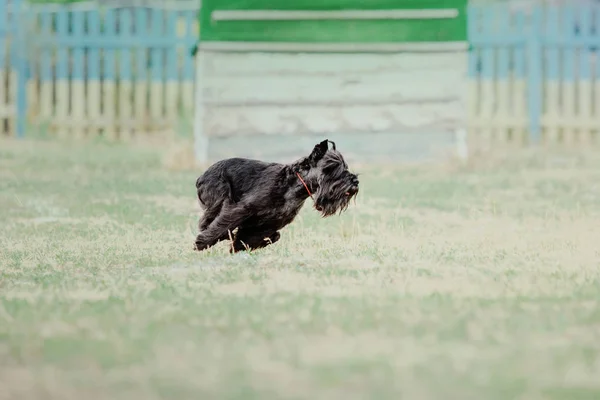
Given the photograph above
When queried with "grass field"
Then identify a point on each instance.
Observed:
(443, 282)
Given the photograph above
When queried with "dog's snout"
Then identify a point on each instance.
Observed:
(353, 190)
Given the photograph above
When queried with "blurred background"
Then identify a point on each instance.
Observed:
(394, 80)
(475, 279)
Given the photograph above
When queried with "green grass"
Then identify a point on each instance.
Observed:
(441, 283)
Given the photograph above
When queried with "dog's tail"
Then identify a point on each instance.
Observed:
(214, 186)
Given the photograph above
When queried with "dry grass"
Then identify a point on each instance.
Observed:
(477, 281)
(179, 156)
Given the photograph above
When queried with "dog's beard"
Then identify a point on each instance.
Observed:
(334, 198)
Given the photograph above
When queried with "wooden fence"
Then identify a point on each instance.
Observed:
(88, 69)
(534, 73)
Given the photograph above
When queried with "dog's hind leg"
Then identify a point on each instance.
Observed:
(213, 192)
(230, 217)
(249, 239)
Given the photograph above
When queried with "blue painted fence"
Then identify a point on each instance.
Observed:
(535, 73)
(89, 69)
(86, 68)
(12, 93)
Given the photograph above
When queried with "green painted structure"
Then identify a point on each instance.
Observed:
(333, 30)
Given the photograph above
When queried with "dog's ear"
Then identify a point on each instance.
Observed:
(301, 165)
(319, 151)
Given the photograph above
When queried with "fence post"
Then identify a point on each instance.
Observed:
(3, 57)
(200, 134)
(20, 25)
(534, 76)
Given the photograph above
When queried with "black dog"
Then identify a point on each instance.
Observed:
(260, 198)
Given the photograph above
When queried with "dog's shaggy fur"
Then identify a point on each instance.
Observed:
(260, 198)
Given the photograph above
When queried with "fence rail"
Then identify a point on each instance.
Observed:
(86, 70)
(535, 74)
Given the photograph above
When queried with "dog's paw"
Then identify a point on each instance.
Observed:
(273, 238)
(200, 245)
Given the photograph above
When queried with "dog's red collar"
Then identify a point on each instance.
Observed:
(305, 185)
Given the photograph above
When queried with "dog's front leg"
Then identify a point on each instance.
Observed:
(230, 218)
(210, 213)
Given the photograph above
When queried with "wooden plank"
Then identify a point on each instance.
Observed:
(11, 124)
(569, 87)
(9, 77)
(46, 74)
(316, 29)
(78, 77)
(596, 82)
(125, 98)
(7, 109)
(519, 93)
(388, 86)
(585, 84)
(188, 72)
(316, 5)
(109, 82)
(4, 106)
(63, 94)
(21, 65)
(474, 58)
(534, 74)
(157, 96)
(488, 72)
(94, 90)
(11, 85)
(201, 134)
(578, 124)
(295, 15)
(396, 47)
(33, 62)
(82, 5)
(316, 119)
(141, 75)
(553, 110)
(259, 65)
(332, 103)
(172, 72)
(503, 113)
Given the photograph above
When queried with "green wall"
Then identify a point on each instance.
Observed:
(362, 31)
